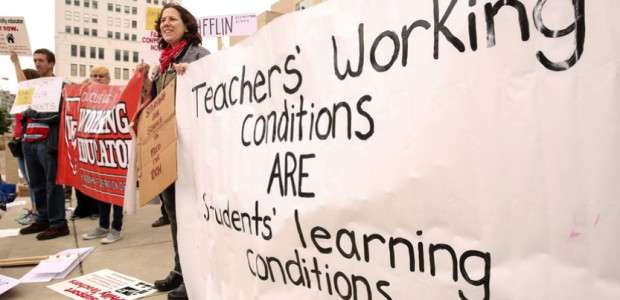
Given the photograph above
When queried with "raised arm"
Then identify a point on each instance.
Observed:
(18, 68)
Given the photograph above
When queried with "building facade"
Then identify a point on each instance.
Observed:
(100, 32)
(6, 99)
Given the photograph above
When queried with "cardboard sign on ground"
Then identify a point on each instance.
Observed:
(157, 145)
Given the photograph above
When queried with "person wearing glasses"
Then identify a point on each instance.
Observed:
(101, 75)
(86, 205)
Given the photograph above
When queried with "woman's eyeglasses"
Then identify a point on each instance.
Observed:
(97, 76)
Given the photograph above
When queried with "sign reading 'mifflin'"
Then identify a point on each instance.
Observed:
(228, 25)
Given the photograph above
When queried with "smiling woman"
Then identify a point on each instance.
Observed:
(177, 31)
(172, 28)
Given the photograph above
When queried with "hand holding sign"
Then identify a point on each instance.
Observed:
(41, 94)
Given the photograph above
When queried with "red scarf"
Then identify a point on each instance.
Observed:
(169, 54)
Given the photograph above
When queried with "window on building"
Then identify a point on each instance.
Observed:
(67, 15)
(117, 55)
(134, 24)
(134, 10)
(163, 2)
(86, 3)
(82, 70)
(110, 7)
(110, 34)
(135, 56)
(118, 8)
(127, 9)
(76, 2)
(94, 32)
(95, 4)
(94, 18)
(126, 23)
(134, 37)
(86, 17)
(76, 30)
(82, 51)
(73, 69)
(67, 29)
(148, 1)
(93, 52)
(68, 2)
(117, 73)
(125, 74)
(125, 55)
(76, 16)
(86, 31)
(155, 1)
(117, 35)
(101, 56)
(74, 50)
(127, 36)
(110, 21)
(118, 22)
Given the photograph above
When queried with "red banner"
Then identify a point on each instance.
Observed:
(94, 141)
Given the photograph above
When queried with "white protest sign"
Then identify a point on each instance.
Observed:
(405, 150)
(7, 283)
(14, 36)
(227, 25)
(41, 94)
(150, 51)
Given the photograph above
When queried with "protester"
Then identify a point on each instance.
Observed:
(40, 147)
(163, 220)
(86, 206)
(68, 190)
(101, 75)
(18, 134)
(180, 41)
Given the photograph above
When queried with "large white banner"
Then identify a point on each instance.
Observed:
(390, 149)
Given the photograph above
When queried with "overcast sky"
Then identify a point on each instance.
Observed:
(40, 25)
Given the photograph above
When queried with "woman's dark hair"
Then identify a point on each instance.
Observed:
(192, 36)
(31, 74)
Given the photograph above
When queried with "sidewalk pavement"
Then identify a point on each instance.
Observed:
(144, 253)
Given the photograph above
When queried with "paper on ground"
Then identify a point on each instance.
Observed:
(58, 266)
(7, 283)
(104, 284)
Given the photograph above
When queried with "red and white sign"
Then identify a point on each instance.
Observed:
(94, 140)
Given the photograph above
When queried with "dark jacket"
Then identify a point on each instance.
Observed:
(52, 119)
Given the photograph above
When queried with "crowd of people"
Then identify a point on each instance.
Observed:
(38, 132)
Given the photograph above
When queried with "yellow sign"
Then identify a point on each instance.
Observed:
(24, 96)
(151, 17)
